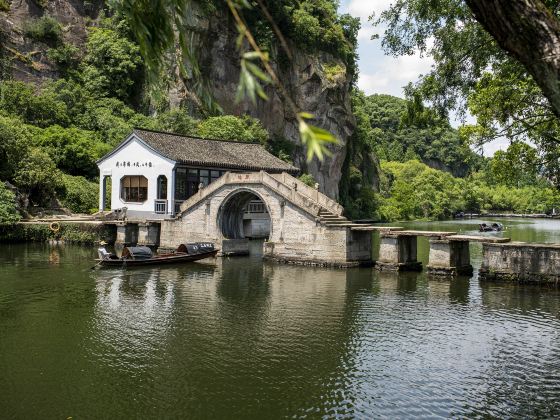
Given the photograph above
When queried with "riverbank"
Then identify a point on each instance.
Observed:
(511, 215)
(78, 232)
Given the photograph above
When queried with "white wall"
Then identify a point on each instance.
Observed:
(136, 153)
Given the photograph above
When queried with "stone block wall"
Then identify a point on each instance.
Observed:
(528, 263)
(295, 234)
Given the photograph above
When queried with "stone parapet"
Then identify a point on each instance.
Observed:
(521, 262)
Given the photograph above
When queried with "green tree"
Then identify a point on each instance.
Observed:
(38, 176)
(74, 151)
(112, 64)
(112, 119)
(15, 138)
(518, 166)
(178, 121)
(37, 108)
(229, 127)
(8, 206)
(400, 130)
(78, 194)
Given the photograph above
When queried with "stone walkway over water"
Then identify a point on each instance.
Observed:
(307, 227)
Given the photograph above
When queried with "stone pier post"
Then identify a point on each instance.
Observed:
(449, 257)
(127, 234)
(521, 262)
(398, 253)
(148, 234)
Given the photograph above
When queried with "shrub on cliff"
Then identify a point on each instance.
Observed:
(8, 207)
(78, 194)
(45, 29)
(110, 65)
(229, 127)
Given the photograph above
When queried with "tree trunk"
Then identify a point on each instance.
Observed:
(530, 32)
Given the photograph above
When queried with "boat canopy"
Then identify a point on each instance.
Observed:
(196, 248)
(137, 252)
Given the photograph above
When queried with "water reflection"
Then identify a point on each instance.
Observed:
(242, 338)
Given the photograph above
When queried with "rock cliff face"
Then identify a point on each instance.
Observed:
(28, 59)
(325, 95)
(305, 78)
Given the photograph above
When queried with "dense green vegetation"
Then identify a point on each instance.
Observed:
(472, 72)
(405, 133)
(412, 190)
(403, 130)
(50, 138)
(8, 208)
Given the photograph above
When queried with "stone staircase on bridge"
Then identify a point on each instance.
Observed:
(328, 218)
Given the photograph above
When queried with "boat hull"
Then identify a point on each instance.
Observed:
(177, 258)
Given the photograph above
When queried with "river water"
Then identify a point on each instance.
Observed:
(239, 338)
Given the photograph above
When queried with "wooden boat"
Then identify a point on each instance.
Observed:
(494, 227)
(142, 255)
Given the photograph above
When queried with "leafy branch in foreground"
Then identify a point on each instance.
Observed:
(314, 138)
(156, 24)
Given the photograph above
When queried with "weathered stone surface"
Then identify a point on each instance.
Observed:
(235, 247)
(296, 235)
(148, 234)
(521, 262)
(449, 258)
(127, 234)
(398, 253)
(29, 58)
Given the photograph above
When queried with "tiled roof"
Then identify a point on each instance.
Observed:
(213, 153)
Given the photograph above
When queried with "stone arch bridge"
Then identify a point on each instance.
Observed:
(306, 226)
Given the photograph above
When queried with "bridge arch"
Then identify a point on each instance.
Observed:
(305, 225)
(230, 215)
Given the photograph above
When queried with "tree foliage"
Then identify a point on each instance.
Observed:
(74, 151)
(229, 127)
(411, 190)
(38, 176)
(78, 194)
(8, 206)
(400, 130)
(112, 64)
(472, 72)
(22, 100)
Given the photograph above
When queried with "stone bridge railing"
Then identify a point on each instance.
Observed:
(313, 194)
(298, 197)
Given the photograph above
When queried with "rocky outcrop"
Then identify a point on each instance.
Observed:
(28, 59)
(326, 96)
